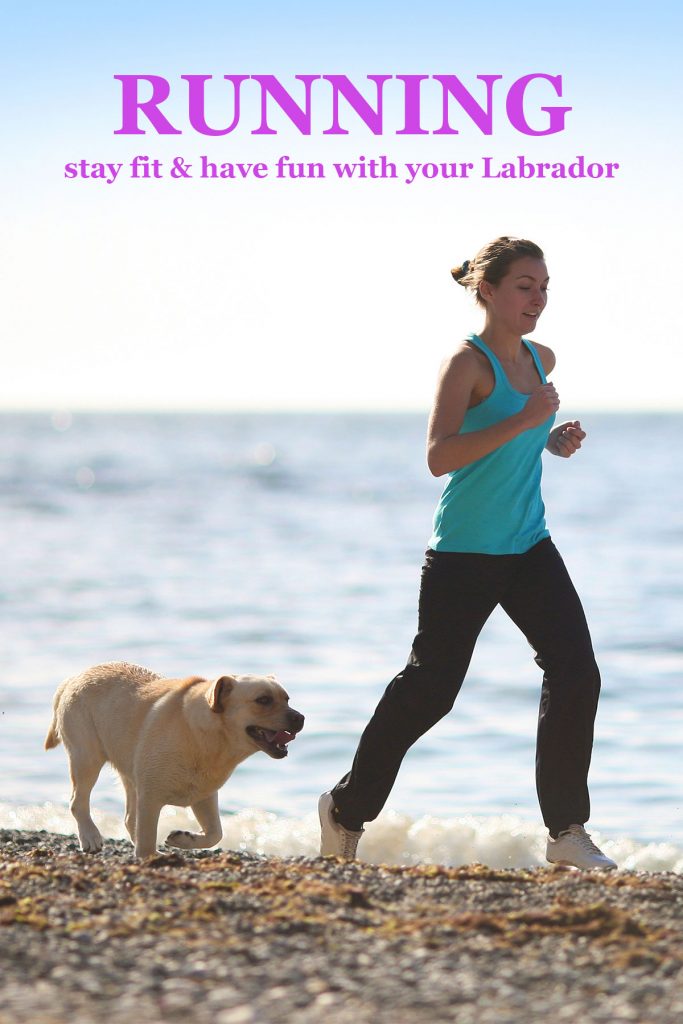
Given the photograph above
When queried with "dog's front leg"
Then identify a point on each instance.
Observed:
(146, 824)
(206, 813)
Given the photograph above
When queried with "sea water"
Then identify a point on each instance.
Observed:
(292, 544)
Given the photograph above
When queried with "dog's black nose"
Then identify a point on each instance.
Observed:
(296, 720)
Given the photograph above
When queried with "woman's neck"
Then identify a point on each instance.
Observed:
(505, 343)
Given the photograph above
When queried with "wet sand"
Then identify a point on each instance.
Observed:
(234, 938)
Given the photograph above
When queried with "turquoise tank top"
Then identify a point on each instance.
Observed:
(493, 506)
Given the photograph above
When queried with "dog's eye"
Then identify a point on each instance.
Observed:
(264, 700)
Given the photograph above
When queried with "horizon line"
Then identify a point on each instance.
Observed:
(196, 410)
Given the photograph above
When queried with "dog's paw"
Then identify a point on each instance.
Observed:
(91, 840)
(181, 840)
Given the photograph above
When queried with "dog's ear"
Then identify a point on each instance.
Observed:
(219, 692)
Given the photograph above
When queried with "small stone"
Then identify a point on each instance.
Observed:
(222, 995)
(238, 1015)
(324, 1000)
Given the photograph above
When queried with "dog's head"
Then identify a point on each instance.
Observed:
(259, 708)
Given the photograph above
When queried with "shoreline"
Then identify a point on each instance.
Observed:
(235, 938)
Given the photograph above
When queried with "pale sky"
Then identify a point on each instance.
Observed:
(330, 294)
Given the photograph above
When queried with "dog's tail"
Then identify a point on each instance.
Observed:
(53, 739)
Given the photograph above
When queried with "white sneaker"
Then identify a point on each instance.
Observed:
(335, 840)
(575, 847)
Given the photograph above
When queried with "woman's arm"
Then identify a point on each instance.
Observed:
(447, 449)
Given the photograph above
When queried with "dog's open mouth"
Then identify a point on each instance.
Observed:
(272, 741)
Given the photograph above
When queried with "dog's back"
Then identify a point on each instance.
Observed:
(89, 699)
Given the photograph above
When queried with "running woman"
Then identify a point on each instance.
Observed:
(493, 415)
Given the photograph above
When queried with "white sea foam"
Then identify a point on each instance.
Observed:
(502, 841)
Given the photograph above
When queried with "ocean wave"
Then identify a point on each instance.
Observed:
(502, 841)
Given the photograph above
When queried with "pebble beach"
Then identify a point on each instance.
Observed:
(234, 938)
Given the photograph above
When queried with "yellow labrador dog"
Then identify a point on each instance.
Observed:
(172, 741)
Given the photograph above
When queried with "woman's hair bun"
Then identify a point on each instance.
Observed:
(461, 272)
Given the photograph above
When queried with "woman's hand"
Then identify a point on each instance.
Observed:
(566, 439)
(542, 403)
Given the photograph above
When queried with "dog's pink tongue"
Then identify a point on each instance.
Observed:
(283, 736)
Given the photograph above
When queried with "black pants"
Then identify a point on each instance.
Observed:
(458, 592)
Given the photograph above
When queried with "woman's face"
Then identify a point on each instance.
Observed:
(520, 298)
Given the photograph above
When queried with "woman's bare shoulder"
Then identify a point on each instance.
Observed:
(463, 381)
(546, 355)
(464, 359)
